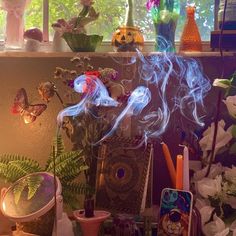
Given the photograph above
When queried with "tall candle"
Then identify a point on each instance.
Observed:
(169, 163)
(186, 185)
(179, 172)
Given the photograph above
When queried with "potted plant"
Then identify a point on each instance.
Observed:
(68, 167)
(74, 32)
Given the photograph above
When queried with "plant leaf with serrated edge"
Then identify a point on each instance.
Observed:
(18, 189)
(232, 149)
(33, 183)
(234, 131)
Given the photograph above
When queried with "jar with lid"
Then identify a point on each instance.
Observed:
(230, 15)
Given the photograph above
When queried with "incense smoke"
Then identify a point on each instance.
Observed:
(168, 82)
(94, 92)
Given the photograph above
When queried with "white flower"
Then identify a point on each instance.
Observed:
(230, 102)
(209, 187)
(230, 174)
(215, 228)
(222, 83)
(216, 169)
(200, 203)
(205, 212)
(233, 226)
(223, 138)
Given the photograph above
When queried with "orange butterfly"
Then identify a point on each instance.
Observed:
(28, 112)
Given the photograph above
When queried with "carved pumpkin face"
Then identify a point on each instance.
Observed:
(127, 38)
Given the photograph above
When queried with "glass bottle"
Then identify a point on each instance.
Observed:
(165, 17)
(14, 22)
(190, 39)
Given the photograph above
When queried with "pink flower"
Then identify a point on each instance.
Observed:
(152, 3)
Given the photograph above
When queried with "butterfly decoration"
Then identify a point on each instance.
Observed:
(27, 111)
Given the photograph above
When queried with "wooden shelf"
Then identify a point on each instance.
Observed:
(23, 54)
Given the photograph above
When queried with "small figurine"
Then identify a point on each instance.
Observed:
(128, 37)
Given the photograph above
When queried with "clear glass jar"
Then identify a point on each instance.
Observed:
(14, 22)
(230, 16)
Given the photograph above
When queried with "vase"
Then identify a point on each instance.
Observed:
(190, 39)
(165, 19)
(14, 22)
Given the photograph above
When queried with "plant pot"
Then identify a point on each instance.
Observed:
(82, 42)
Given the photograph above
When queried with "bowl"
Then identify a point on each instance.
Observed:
(82, 42)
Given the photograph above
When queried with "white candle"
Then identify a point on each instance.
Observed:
(186, 185)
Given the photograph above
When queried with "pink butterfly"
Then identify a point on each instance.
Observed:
(28, 112)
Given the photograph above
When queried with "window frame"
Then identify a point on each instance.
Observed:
(46, 20)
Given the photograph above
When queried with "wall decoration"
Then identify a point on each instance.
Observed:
(128, 37)
(123, 176)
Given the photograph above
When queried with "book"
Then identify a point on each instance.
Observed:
(124, 176)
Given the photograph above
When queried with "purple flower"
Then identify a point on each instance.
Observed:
(152, 3)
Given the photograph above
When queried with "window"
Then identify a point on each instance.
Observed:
(112, 16)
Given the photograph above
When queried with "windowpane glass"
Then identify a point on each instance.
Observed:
(112, 14)
(34, 15)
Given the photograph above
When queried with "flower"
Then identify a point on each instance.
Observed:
(222, 83)
(215, 228)
(216, 169)
(152, 3)
(223, 137)
(230, 174)
(209, 187)
(230, 102)
(46, 90)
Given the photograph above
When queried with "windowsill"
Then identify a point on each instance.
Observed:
(105, 50)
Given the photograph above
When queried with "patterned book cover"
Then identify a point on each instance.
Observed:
(124, 183)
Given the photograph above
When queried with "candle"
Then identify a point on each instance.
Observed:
(179, 172)
(169, 163)
(186, 169)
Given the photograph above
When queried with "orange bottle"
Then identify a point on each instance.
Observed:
(190, 39)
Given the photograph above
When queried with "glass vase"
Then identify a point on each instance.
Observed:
(165, 19)
(14, 22)
(191, 38)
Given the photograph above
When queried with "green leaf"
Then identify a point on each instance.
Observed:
(232, 149)
(17, 190)
(34, 183)
(234, 131)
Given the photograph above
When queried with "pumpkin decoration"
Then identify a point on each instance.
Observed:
(128, 37)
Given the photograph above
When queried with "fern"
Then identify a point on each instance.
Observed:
(59, 146)
(32, 182)
(17, 190)
(13, 167)
(68, 166)
(64, 159)
(80, 188)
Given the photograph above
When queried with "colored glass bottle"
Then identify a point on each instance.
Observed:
(165, 17)
(190, 39)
